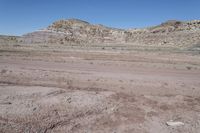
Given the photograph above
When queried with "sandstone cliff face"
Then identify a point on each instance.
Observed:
(74, 31)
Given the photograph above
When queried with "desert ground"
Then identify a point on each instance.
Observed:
(109, 89)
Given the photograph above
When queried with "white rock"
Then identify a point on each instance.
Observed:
(174, 123)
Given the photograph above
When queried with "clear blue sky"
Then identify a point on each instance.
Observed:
(21, 16)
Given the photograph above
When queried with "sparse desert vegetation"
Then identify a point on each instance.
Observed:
(100, 79)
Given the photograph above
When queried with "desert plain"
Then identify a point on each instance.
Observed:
(108, 88)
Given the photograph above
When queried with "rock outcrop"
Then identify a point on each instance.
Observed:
(74, 31)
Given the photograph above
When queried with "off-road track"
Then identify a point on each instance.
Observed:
(45, 90)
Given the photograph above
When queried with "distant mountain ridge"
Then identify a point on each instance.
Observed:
(75, 31)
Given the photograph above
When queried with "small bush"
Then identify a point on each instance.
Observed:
(3, 71)
(189, 68)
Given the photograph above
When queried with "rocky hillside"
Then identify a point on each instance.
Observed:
(171, 33)
(74, 31)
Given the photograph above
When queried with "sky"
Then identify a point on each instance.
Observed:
(18, 17)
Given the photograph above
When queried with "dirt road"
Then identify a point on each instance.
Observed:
(81, 91)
